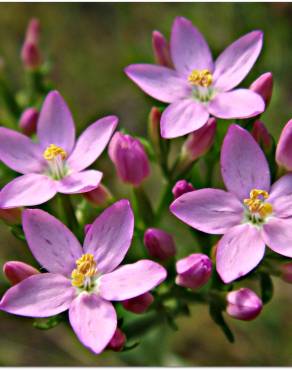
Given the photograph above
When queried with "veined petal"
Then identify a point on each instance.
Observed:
(91, 143)
(50, 241)
(183, 117)
(132, 280)
(93, 320)
(27, 190)
(212, 211)
(161, 83)
(243, 164)
(40, 295)
(277, 234)
(239, 251)
(234, 63)
(110, 236)
(79, 182)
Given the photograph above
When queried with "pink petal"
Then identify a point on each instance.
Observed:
(239, 103)
(40, 295)
(27, 190)
(161, 83)
(110, 236)
(18, 152)
(280, 197)
(93, 320)
(132, 280)
(277, 234)
(51, 242)
(91, 143)
(243, 164)
(183, 117)
(212, 211)
(79, 182)
(189, 49)
(55, 124)
(237, 60)
(239, 251)
(284, 147)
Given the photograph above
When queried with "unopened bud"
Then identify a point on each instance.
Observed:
(138, 304)
(16, 271)
(284, 147)
(161, 49)
(154, 127)
(118, 341)
(28, 121)
(30, 52)
(181, 187)
(159, 244)
(33, 31)
(100, 196)
(286, 272)
(243, 304)
(262, 136)
(264, 86)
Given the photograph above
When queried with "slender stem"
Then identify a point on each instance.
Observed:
(69, 215)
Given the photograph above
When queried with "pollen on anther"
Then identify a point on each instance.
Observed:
(54, 151)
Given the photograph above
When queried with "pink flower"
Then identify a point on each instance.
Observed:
(262, 135)
(161, 50)
(28, 121)
(197, 87)
(139, 304)
(243, 304)
(118, 341)
(251, 214)
(284, 147)
(16, 271)
(263, 85)
(159, 244)
(82, 280)
(56, 162)
(30, 52)
(101, 196)
(181, 187)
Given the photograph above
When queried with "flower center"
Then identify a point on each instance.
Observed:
(85, 270)
(55, 156)
(201, 78)
(257, 206)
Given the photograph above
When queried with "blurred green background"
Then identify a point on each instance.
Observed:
(89, 45)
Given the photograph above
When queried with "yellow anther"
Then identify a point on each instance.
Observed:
(53, 151)
(202, 78)
(256, 203)
(85, 268)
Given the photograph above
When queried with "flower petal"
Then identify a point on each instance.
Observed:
(18, 152)
(91, 143)
(238, 252)
(161, 83)
(51, 242)
(27, 190)
(234, 63)
(93, 320)
(277, 234)
(189, 49)
(243, 164)
(183, 117)
(132, 280)
(284, 147)
(110, 236)
(212, 211)
(40, 295)
(79, 182)
(239, 103)
(55, 124)
(281, 197)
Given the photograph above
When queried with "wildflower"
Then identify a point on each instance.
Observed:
(284, 148)
(263, 85)
(243, 304)
(30, 52)
(16, 271)
(118, 341)
(181, 187)
(159, 244)
(101, 196)
(28, 121)
(161, 50)
(139, 304)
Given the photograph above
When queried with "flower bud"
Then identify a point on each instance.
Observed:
(33, 31)
(161, 50)
(138, 304)
(181, 187)
(159, 244)
(264, 86)
(243, 304)
(86, 228)
(154, 126)
(100, 196)
(28, 121)
(129, 158)
(11, 216)
(284, 147)
(193, 271)
(30, 53)
(286, 272)
(262, 135)
(16, 271)
(118, 341)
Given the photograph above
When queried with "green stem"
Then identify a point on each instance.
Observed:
(68, 213)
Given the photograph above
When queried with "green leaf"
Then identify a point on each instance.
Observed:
(130, 346)
(267, 288)
(17, 231)
(216, 315)
(46, 324)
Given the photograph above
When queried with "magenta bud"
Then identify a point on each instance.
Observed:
(154, 126)
(118, 341)
(264, 86)
(16, 271)
(28, 121)
(284, 147)
(129, 158)
(161, 50)
(181, 187)
(30, 55)
(159, 244)
(262, 135)
(138, 304)
(11, 216)
(100, 196)
(193, 271)
(33, 31)
(243, 304)
(86, 228)
(286, 272)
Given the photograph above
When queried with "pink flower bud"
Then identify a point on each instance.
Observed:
(200, 141)
(118, 341)
(159, 244)
(28, 121)
(16, 271)
(193, 271)
(30, 55)
(138, 304)
(286, 272)
(100, 196)
(284, 147)
(264, 86)
(262, 135)
(243, 304)
(11, 216)
(161, 49)
(33, 31)
(181, 187)
(86, 228)
(154, 126)
(129, 158)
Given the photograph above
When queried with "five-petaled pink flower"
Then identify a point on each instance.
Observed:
(198, 87)
(56, 162)
(83, 280)
(251, 214)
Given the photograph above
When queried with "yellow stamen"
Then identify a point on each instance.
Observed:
(256, 203)
(85, 267)
(202, 78)
(53, 151)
